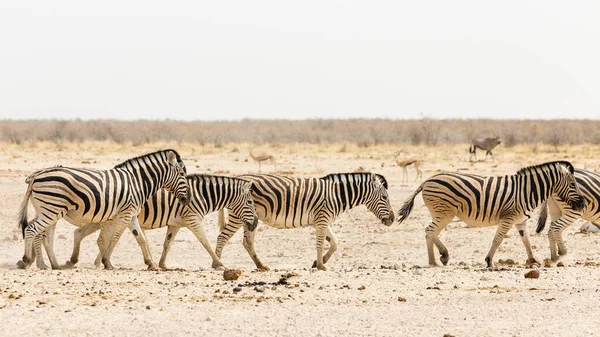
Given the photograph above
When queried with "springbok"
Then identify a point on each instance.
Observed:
(487, 144)
(263, 157)
(404, 163)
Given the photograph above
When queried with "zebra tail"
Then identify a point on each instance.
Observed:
(404, 212)
(221, 219)
(23, 208)
(542, 218)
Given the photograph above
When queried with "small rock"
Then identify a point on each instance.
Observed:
(226, 292)
(148, 307)
(401, 299)
(560, 264)
(260, 299)
(547, 263)
(237, 290)
(532, 274)
(231, 274)
(362, 287)
(259, 289)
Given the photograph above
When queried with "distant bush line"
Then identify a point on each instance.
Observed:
(361, 132)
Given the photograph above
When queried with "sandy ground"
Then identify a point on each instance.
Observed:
(377, 283)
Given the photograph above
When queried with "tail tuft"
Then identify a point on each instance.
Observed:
(404, 212)
(542, 218)
(23, 208)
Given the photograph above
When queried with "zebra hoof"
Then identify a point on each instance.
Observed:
(68, 265)
(21, 265)
(152, 267)
(444, 259)
(263, 268)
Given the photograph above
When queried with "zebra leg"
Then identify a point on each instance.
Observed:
(332, 245)
(320, 233)
(78, 235)
(32, 232)
(106, 232)
(37, 250)
(141, 240)
(226, 233)
(169, 238)
(198, 230)
(49, 245)
(120, 226)
(503, 228)
(432, 233)
(249, 245)
(524, 233)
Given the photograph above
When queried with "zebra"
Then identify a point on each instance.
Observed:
(562, 215)
(286, 202)
(487, 144)
(82, 196)
(208, 193)
(489, 201)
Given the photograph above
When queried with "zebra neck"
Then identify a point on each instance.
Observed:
(349, 195)
(211, 197)
(535, 188)
(147, 181)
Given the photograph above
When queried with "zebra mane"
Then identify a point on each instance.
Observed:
(367, 175)
(534, 167)
(213, 179)
(136, 159)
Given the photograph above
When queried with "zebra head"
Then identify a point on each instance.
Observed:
(378, 201)
(242, 206)
(567, 188)
(176, 181)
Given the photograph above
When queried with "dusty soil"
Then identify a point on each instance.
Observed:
(377, 283)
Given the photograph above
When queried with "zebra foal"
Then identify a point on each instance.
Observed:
(208, 193)
(286, 202)
(83, 196)
(501, 201)
(562, 215)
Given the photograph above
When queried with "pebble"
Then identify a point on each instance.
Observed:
(532, 274)
(231, 274)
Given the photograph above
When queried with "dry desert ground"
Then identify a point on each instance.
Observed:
(377, 284)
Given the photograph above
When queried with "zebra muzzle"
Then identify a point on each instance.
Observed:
(578, 205)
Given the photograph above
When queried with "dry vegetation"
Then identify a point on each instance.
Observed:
(360, 132)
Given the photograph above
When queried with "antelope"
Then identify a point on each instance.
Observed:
(404, 163)
(263, 157)
(487, 144)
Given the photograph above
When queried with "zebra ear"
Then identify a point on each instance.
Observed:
(567, 168)
(375, 178)
(172, 158)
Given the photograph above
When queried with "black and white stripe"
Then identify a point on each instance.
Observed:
(501, 201)
(208, 193)
(562, 215)
(83, 196)
(286, 202)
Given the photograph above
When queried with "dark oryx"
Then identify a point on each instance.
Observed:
(487, 144)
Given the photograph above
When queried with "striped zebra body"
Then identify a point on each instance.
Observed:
(208, 193)
(286, 202)
(492, 201)
(81, 196)
(562, 215)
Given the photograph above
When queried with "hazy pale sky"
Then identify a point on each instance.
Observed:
(299, 59)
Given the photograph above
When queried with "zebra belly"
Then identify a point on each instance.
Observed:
(280, 221)
(473, 222)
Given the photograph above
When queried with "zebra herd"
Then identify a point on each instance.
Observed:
(154, 191)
